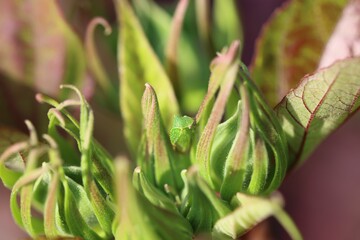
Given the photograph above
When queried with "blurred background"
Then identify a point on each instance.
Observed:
(321, 196)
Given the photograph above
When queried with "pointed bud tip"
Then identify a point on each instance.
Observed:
(39, 98)
(148, 86)
(148, 89)
(227, 56)
(137, 170)
(149, 99)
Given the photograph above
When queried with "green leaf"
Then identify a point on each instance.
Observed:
(193, 59)
(227, 24)
(156, 23)
(139, 65)
(250, 211)
(39, 49)
(78, 211)
(291, 44)
(318, 106)
(172, 47)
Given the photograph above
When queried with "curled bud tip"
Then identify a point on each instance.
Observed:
(39, 98)
(99, 21)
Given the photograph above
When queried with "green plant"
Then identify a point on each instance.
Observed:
(214, 175)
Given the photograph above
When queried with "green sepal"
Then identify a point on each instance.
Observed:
(249, 211)
(160, 209)
(78, 212)
(131, 222)
(224, 136)
(151, 193)
(200, 204)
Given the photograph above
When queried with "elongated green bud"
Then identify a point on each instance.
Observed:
(223, 76)
(156, 156)
(257, 160)
(248, 152)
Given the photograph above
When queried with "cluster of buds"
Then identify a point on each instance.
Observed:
(212, 174)
(204, 163)
(248, 151)
(245, 153)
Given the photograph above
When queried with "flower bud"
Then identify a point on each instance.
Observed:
(257, 160)
(157, 158)
(248, 152)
